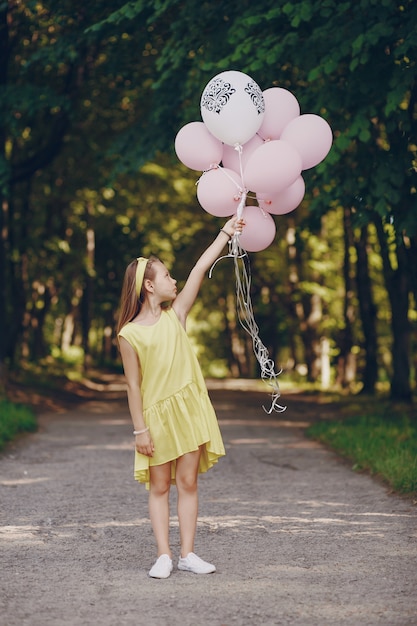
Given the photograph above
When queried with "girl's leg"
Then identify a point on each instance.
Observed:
(186, 479)
(160, 480)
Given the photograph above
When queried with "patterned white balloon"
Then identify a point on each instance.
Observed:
(232, 107)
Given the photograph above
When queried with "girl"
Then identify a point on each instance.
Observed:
(175, 426)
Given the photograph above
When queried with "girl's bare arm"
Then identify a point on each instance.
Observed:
(144, 443)
(186, 298)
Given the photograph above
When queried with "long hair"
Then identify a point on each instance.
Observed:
(130, 303)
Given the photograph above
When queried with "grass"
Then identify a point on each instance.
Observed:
(384, 446)
(14, 419)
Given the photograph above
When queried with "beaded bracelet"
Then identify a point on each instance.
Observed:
(140, 432)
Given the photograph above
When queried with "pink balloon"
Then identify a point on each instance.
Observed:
(259, 230)
(231, 155)
(312, 136)
(219, 191)
(272, 167)
(197, 148)
(284, 202)
(281, 106)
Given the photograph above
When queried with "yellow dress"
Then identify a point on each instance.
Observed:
(176, 405)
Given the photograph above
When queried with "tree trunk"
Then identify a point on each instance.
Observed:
(398, 286)
(4, 60)
(310, 320)
(325, 363)
(88, 291)
(411, 252)
(15, 288)
(238, 363)
(37, 323)
(401, 383)
(346, 367)
(367, 311)
(307, 309)
(3, 297)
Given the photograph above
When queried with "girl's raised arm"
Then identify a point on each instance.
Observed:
(186, 298)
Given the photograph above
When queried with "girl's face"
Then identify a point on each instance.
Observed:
(163, 283)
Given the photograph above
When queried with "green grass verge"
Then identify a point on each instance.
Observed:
(386, 447)
(14, 419)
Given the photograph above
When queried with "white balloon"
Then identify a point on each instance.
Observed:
(232, 107)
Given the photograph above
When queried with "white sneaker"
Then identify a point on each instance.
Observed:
(162, 568)
(193, 563)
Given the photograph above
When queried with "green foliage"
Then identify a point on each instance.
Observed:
(386, 447)
(14, 419)
(351, 62)
(92, 99)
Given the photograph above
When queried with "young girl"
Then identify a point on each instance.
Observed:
(175, 426)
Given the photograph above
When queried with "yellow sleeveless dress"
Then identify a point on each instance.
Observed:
(176, 405)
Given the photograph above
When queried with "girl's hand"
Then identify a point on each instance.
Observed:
(144, 444)
(234, 225)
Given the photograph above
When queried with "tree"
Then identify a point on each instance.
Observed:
(48, 80)
(367, 311)
(352, 62)
(92, 98)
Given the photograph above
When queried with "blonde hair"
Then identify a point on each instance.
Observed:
(130, 303)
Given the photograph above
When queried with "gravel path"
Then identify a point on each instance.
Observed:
(298, 538)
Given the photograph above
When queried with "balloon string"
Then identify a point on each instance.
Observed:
(243, 300)
(241, 206)
(239, 149)
(225, 173)
(247, 320)
(243, 192)
(248, 323)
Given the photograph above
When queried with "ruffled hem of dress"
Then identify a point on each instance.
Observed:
(178, 425)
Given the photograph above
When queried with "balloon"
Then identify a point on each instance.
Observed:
(311, 135)
(281, 106)
(259, 230)
(197, 148)
(232, 107)
(284, 202)
(272, 167)
(231, 155)
(219, 191)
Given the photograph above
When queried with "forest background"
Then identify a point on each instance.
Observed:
(91, 98)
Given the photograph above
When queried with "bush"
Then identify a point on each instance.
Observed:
(14, 419)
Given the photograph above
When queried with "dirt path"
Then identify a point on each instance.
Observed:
(297, 537)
